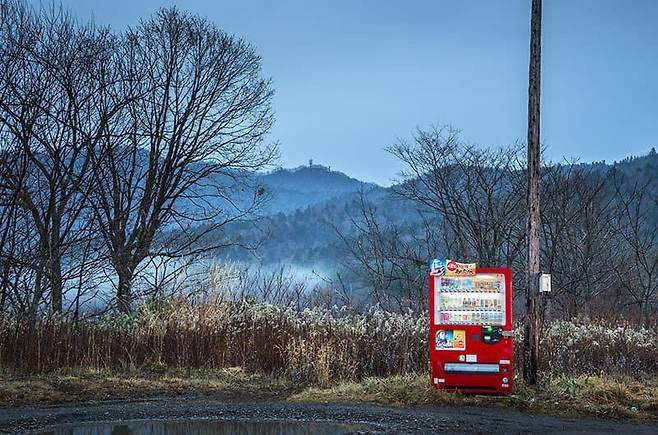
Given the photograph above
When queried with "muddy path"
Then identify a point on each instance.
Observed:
(382, 419)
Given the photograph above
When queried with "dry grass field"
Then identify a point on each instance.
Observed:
(261, 350)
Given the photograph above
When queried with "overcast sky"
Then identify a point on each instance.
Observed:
(353, 76)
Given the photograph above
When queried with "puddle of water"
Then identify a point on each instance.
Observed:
(204, 427)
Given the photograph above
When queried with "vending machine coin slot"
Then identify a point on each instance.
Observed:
(492, 334)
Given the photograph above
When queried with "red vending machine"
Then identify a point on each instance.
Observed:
(471, 332)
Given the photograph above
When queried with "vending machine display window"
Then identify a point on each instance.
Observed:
(472, 300)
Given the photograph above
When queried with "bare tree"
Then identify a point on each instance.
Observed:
(638, 231)
(579, 240)
(389, 258)
(465, 202)
(176, 164)
(53, 110)
(472, 192)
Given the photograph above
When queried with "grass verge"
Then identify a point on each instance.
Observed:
(74, 385)
(595, 396)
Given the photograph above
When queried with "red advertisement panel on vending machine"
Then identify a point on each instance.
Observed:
(471, 333)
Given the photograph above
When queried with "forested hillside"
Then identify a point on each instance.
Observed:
(311, 207)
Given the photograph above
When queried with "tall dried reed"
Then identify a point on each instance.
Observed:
(312, 345)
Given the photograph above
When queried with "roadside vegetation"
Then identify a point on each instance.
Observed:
(312, 345)
(584, 395)
(83, 384)
(312, 354)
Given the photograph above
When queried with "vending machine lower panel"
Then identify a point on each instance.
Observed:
(493, 378)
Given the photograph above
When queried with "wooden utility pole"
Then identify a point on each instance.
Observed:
(532, 320)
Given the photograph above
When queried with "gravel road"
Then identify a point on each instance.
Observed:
(384, 419)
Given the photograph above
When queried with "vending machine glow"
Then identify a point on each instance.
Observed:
(471, 333)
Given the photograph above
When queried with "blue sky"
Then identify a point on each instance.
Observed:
(353, 76)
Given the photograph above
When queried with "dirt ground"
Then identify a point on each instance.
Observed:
(384, 419)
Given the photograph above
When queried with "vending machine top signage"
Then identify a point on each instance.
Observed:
(470, 333)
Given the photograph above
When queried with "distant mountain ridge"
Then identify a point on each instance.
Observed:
(310, 202)
(304, 186)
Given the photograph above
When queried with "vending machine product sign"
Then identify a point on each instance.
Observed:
(471, 333)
